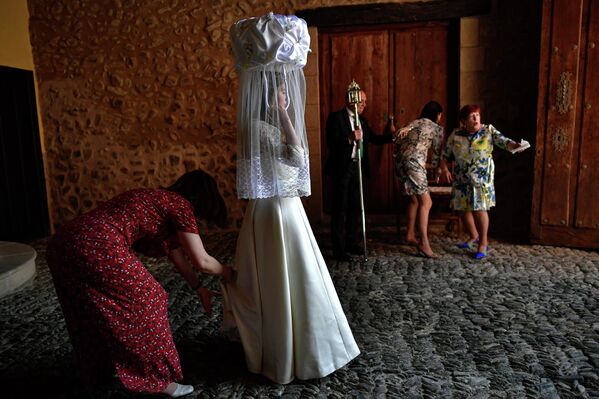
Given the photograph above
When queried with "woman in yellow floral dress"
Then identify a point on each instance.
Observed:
(473, 192)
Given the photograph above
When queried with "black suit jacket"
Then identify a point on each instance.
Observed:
(338, 131)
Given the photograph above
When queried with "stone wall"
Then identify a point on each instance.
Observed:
(135, 93)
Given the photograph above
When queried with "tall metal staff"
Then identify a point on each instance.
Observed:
(354, 98)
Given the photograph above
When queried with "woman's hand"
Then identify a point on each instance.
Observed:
(287, 126)
(206, 296)
(403, 132)
(282, 110)
(444, 175)
(512, 145)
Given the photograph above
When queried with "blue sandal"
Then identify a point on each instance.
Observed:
(467, 244)
(479, 255)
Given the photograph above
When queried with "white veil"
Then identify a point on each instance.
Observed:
(272, 147)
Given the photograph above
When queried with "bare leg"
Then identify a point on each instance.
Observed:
(481, 219)
(412, 211)
(424, 207)
(469, 225)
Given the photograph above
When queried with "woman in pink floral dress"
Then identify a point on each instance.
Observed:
(115, 311)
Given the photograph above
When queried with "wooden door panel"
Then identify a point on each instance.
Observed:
(587, 196)
(420, 70)
(561, 116)
(365, 58)
(566, 207)
(405, 64)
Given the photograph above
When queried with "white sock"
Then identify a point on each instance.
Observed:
(175, 390)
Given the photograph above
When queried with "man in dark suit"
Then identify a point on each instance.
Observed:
(342, 167)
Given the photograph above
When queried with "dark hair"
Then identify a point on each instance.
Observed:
(199, 188)
(431, 110)
(269, 95)
(467, 110)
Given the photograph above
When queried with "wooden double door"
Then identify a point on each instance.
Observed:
(565, 207)
(401, 68)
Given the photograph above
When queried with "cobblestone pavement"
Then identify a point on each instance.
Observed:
(523, 323)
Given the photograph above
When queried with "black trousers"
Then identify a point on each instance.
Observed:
(345, 210)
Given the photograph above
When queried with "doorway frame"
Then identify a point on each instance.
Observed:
(355, 16)
(25, 202)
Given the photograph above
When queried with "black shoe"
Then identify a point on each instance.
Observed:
(342, 256)
(355, 250)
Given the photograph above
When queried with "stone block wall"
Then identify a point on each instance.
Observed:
(133, 94)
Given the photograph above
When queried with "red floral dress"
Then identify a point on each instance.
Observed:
(115, 311)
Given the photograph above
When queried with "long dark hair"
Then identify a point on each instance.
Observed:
(272, 81)
(199, 188)
(431, 110)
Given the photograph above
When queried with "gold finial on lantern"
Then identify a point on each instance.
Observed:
(353, 98)
(353, 93)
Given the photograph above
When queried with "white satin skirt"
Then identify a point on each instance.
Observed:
(283, 303)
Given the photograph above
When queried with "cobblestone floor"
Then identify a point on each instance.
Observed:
(523, 323)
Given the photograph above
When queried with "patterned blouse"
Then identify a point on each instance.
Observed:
(474, 169)
(412, 153)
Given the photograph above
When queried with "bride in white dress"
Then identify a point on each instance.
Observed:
(283, 303)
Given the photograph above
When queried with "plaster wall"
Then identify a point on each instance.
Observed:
(15, 49)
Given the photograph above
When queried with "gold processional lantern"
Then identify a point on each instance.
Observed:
(354, 98)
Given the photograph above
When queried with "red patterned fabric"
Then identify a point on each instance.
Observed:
(115, 311)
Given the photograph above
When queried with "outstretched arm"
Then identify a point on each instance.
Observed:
(402, 133)
(512, 145)
(502, 141)
(177, 256)
(199, 258)
(192, 246)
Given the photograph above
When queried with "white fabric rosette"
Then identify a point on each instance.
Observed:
(270, 40)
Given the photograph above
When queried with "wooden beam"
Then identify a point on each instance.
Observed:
(391, 13)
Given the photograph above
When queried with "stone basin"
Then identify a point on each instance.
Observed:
(17, 266)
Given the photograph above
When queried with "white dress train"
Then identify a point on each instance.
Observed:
(283, 302)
